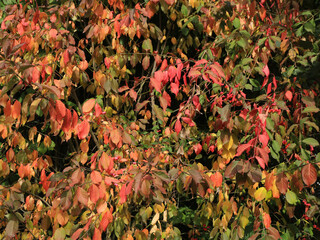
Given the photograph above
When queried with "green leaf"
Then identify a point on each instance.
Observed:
(242, 43)
(236, 23)
(311, 109)
(309, 26)
(291, 197)
(59, 234)
(262, 41)
(147, 45)
(184, 10)
(299, 31)
(311, 141)
(245, 61)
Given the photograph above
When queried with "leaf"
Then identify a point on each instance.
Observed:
(196, 176)
(260, 194)
(309, 174)
(59, 234)
(177, 126)
(242, 148)
(115, 136)
(147, 45)
(266, 70)
(216, 179)
(96, 177)
(97, 234)
(106, 220)
(12, 228)
(311, 141)
(122, 194)
(88, 106)
(94, 193)
(312, 109)
(146, 62)
(61, 108)
(282, 183)
(16, 109)
(83, 129)
(289, 95)
(291, 197)
(236, 23)
(82, 196)
(156, 83)
(266, 220)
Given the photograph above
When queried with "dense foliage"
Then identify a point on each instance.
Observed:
(159, 119)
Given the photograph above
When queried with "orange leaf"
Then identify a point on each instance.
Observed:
(16, 109)
(96, 234)
(94, 193)
(61, 108)
(83, 65)
(106, 162)
(289, 95)
(88, 106)
(216, 179)
(96, 177)
(123, 195)
(106, 220)
(115, 136)
(83, 129)
(309, 174)
(266, 220)
(82, 196)
(76, 234)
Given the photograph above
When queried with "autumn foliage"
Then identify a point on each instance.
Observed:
(159, 119)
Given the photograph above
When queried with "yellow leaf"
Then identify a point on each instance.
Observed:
(260, 194)
(219, 144)
(230, 143)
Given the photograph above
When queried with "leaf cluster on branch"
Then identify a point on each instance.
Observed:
(159, 119)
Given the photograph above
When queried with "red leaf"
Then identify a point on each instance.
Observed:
(289, 95)
(177, 126)
(66, 57)
(261, 162)
(107, 62)
(197, 148)
(266, 70)
(167, 97)
(188, 121)
(96, 177)
(309, 174)
(243, 148)
(83, 129)
(97, 110)
(174, 87)
(96, 234)
(61, 108)
(88, 106)
(264, 139)
(94, 193)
